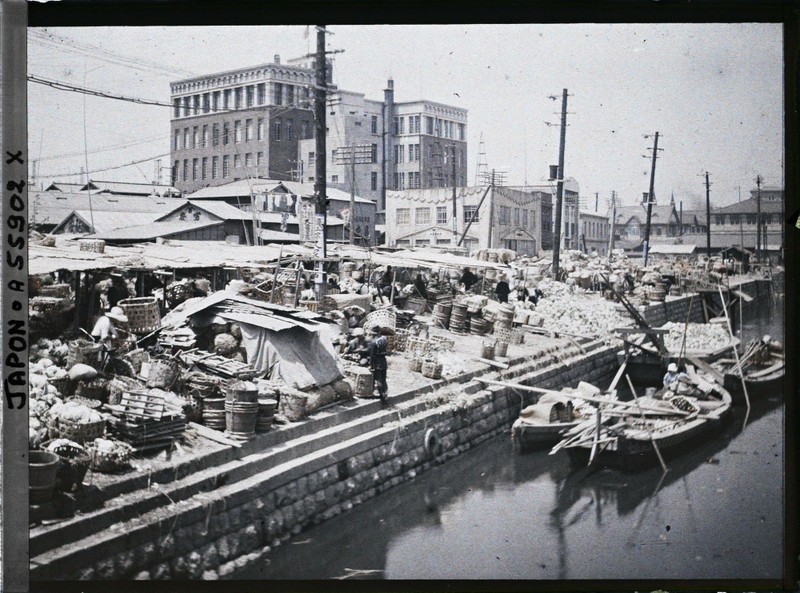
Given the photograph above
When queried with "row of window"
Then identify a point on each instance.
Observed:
(595, 230)
(243, 131)
(241, 98)
(198, 168)
(470, 244)
(373, 180)
(507, 215)
(434, 126)
(766, 218)
(423, 215)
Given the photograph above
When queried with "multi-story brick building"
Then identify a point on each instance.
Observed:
(240, 123)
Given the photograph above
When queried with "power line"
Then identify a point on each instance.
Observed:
(158, 156)
(104, 149)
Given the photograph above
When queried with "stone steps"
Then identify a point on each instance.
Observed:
(233, 474)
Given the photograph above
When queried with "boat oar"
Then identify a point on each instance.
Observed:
(735, 352)
(652, 439)
(596, 435)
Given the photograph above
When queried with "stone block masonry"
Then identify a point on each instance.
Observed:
(213, 533)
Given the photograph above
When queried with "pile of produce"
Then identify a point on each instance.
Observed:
(699, 336)
(575, 313)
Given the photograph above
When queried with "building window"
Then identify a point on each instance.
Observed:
(236, 161)
(516, 216)
(176, 108)
(215, 101)
(237, 131)
(206, 102)
(277, 96)
(468, 213)
(250, 95)
(373, 124)
(215, 135)
(334, 179)
(248, 130)
(248, 159)
(214, 167)
(289, 130)
(195, 104)
(441, 214)
(399, 126)
(719, 219)
(401, 181)
(399, 153)
(429, 125)
(226, 170)
(304, 130)
(175, 166)
(374, 153)
(177, 143)
(186, 138)
(403, 216)
(290, 94)
(524, 219)
(422, 216)
(262, 93)
(195, 137)
(186, 169)
(276, 129)
(237, 94)
(225, 133)
(462, 134)
(204, 168)
(259, 158)
(373, 181)
(312, 160)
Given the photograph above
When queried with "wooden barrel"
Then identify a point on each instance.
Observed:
(266, 413)
(240, 418)
(442, 312)
(657, 294)
(501, 348)
(478, 326)
(487, 350)
(242, 391)
(42, 469)
(364, 382)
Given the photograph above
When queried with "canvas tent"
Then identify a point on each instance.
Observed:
(293, 346)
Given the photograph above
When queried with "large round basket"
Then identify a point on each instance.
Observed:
(74, 431)
(415, 364)
(111, 462)
(62, 384)
(42, 469)
(142, 313)
(95, 389)
(74, 464)
(82, 351)
(381, 317)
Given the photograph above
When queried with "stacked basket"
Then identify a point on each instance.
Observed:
(142, 313)
(458, 319)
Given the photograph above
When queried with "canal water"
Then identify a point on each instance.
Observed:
(494, 514)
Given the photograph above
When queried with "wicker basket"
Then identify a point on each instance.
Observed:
(416, 305)
(46, 307)
(381, 317)
(82, 352)
(62, 384)
(136, 357)
(417, 346)
(92, 404)
(440, 343)
(142, 313)
(93, 245)
(74, 464)
(432, 369)
(400, 340)
(112, 462)
(97, 388)
(119, 385)
(415, 364)
(80, 433)
(163, 374)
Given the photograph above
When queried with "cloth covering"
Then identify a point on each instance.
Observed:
(298, 357)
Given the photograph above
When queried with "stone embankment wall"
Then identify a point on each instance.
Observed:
(212, 534)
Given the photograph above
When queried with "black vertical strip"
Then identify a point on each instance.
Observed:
(14, 331)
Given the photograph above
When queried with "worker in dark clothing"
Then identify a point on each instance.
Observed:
(629, 282)
(357, 347)
(502, 290)
(468, 279)
(421, 288)
(376, 354)
(117, 291)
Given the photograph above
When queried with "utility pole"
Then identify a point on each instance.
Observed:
(560, 186)
(455, 211)
(320, 96)
(359, 154)
(613, 222)
(491, 211)
(650, 199)
(708, 217)
(759, 179)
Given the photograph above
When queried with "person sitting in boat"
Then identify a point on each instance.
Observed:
(673, 377)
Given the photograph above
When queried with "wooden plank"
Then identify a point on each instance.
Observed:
(213, 435)
(493, 363)
(704, 366)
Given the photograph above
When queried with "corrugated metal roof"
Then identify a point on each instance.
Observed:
(672, 249)
(153, 230)
(243, 188)
(218, 208)
(137, 189)
(51, 207)
(106, 220)
(750, 206)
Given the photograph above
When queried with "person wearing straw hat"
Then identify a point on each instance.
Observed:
(104, 330)
(673, 377)
(376, 354)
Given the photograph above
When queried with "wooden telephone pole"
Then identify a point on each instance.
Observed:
(560, 186)
(759, 179)
(650, 199)
(708, 217)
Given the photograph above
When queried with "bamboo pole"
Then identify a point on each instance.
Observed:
(735, 351)
(652, 440)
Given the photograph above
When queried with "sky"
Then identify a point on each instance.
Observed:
(714, 92)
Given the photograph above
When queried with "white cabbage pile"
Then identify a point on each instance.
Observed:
(699, 336)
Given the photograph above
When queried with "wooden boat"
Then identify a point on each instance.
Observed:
(544, 422)
(763, 366)
(662, 423)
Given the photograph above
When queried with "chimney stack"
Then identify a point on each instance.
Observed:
(277, 59)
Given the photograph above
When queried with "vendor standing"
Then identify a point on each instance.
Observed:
(502, 290)
(376, 354)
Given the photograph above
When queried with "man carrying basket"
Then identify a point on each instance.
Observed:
(376, 354)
